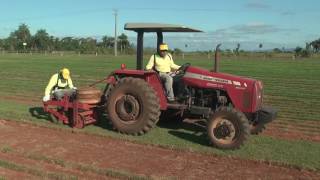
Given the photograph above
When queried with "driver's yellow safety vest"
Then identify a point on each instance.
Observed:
(161, 64)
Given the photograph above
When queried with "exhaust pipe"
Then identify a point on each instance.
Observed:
(216, 58)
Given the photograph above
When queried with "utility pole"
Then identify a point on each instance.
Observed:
(115, 13)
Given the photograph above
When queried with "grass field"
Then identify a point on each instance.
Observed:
(292, 86)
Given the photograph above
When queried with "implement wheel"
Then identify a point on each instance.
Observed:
(228, 128)
(133, 106)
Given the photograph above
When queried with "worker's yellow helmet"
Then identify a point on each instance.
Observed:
(65, 73)
(163, 47)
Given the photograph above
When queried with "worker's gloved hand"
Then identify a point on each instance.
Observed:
(46, 98)
(74, 88)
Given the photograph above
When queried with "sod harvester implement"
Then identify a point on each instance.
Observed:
(78, 110)
(135, 99)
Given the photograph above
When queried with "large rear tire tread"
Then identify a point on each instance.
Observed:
(240, 123)
(149, 102)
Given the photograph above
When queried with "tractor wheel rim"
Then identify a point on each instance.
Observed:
(223, 131)
(127, 108)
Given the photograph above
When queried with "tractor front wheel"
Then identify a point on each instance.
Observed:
(133, 106)
(228, 128)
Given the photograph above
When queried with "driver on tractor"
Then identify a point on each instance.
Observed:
(163, 64)
(60, 84)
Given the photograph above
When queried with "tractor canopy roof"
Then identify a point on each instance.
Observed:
(158, 27)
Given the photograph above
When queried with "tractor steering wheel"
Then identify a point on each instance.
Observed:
(182, 69)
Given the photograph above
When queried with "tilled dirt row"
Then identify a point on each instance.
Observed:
(62, 153)
(286, 129)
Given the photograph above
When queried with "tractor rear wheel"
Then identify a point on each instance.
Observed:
(228, 128)
(133, 106)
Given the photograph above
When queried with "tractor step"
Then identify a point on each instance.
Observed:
(177, 106)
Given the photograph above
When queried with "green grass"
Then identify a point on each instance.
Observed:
(35, 172)
(292, 86)
(6, 149)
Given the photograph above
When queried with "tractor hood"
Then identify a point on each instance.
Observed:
(216, 79)
(245, 93)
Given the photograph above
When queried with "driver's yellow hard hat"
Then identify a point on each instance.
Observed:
(163, 47)
(65, 73)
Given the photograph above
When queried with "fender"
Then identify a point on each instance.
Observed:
(151, 77)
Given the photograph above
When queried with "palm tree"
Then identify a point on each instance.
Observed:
(315, 45)
(107, 42)
(237, 49)
(123, 42)
(23, 36)
(42, 40)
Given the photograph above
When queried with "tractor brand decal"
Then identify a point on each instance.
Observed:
(207, 78)
(214, 85)
(236, 83)
(242, 88)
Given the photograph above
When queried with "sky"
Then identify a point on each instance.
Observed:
(274, 23)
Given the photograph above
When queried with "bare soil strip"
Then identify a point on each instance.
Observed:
(62, 152)
(293, 131)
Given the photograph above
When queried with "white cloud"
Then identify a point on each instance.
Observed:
(257, 4)
(249, 35)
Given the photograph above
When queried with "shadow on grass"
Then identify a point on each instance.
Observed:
(200, 139)
(38, 112)
(104, 122)
(192, 130)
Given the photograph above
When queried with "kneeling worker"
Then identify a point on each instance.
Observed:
(162, 63)
(60, 84)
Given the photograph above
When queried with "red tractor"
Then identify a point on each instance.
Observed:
(231, 104)
(134, 99)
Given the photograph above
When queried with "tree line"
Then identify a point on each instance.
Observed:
(21, 40)
(311, 48)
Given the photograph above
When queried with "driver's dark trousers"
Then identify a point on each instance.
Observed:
(168, 81)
